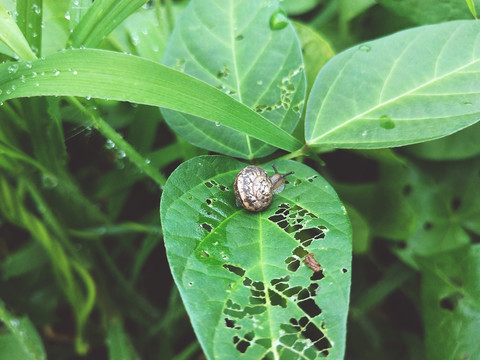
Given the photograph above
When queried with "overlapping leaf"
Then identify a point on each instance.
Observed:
(232, 46)
(241, 275)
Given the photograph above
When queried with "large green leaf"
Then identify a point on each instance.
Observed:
(237, 47)
(110, 75)
(450, 302)
(241, 275)
(413, 86)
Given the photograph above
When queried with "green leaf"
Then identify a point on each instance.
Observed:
(460, 145)
(402, 89)
(101, 18)
(450, 302)
(471, 7)
(119, 345)
(28, 343)
(260, 67)
(104, 74)
(315, 49)
(445, 199)
(241, 275)
(429, 12)
(13, 37)
(29, 20)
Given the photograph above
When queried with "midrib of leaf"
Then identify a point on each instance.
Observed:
(379, 105)
(267, 297)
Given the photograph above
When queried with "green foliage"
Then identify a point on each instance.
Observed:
(106, 107)
(256, 259)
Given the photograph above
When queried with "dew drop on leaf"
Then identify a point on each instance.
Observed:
(386, 122)
(278, 20)
(365, 48)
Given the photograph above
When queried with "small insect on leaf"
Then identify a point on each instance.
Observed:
(312, 263)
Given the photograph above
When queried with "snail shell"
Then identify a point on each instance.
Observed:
(254, 189)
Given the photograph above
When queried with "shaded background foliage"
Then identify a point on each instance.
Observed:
(83, 267)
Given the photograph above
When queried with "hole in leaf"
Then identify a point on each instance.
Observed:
(311, 178)
(407, 190)
(283, 279)
(297, 182)
(310, 307)
(223, 188)
(204, 254)
(456, 203)
(206, 227)
(317, 276)
(427, 226)
(450, 302)
(344, 270)
(242, 346)
(234, 269)
(229, 323)
(294, 265)
(210, 201)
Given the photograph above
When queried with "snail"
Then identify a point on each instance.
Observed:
(254, 189)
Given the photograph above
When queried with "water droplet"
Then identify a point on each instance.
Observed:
(56, 72)
(28, 65)
(365, 48)
(12, 69)
(364, 133)
(49, 181)
(278, 20)
(147, 161)
(109, 144)
(217, 123)
(260, 82)
(386, 122)
(74, 72)
(121, 154)
(14, 323)
(67, 15)
(36, 9)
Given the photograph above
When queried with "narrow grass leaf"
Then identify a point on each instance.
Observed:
(13, 37)
(101, 18)
(110, 75)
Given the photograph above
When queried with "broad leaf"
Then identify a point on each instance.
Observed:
(445, 201)
(406, 88)
(241, 275)
(236, 47)
(450, 302)
(460, 145)
(110, 75)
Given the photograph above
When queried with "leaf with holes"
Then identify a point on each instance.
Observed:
(245, 279)
(232, 46)
(450, 301)
(413, 86)
(444, 201)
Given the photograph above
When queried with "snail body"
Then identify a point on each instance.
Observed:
(254, 189)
